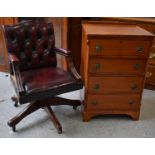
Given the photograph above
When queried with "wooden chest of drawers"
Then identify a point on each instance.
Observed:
(114, 59)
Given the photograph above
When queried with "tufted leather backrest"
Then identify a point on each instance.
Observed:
(33, 43)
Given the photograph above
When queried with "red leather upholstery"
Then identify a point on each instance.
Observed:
(44, 79)
(33, 44)
(35, 76)
(32, 56)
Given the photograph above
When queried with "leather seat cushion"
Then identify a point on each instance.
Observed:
(44, 79)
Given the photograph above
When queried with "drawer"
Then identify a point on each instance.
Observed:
(113, 47)
(117, 66)
(135, 48)
(104, 47)
(113, 102)
(150, 75)
(107, 85)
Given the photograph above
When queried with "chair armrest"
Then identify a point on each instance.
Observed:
(15, 66)
(13, 58)
(70, 63)
(62, 51)
(72, 69)
(18, 79)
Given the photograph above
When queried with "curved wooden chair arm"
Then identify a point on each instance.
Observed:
(18, 79)
(15, 66)
(13, 58)
(70, 63)
(62, 51)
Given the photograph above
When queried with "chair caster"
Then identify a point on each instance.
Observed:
(16, 104)
(75, 107)
(15, 99)
(60, 131)
(13, 127)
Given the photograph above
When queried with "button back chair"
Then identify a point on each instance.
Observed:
(34, 72)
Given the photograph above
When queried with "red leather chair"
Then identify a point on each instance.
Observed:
(34, 72)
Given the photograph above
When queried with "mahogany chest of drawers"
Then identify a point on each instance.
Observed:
(113, 66)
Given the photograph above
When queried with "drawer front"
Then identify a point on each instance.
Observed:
(113, 47)
(150, 75)
(117, 66)
(105, 85)
(135, 48)
(104, 47)
(113, 102)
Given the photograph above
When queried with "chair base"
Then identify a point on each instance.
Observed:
(55, 101)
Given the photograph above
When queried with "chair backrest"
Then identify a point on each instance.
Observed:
(33, 43)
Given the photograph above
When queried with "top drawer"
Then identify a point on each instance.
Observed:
(113, 47)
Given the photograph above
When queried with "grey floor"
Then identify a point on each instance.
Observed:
(39, 125)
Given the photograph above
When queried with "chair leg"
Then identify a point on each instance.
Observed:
(29, 109)
(55, 101)
(54, 119)
(15, 99)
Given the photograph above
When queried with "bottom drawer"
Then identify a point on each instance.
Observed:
(113, 102)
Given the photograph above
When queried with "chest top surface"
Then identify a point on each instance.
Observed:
(111, 29)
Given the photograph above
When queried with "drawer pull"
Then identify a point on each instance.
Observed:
(137, 66)
(148, 74)
(94, 102)
(99, 48)
(152, 55)
(140, 49)
(96, 87)
(134, 86)
(98, 66)
(131, 101)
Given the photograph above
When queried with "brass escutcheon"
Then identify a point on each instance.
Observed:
(137, 66)
(131, 101)
(99, 48)
(140, 49)
(94, 102)
(148, 74)
(96, 87)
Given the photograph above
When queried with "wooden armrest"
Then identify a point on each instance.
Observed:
(62, 51)
(70, 63)
(18, 79)
(13, 58)
(15, 65)
(72, 69)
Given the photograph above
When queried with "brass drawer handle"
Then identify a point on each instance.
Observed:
(99, 48)
(134, 86)
(94, 102)
(152, 55)
(137, 66)
(148, 74)
(98, 66)
(140, 49)
(96, 87)
(131, 101)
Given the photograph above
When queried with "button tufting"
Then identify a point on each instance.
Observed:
(33, 42)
